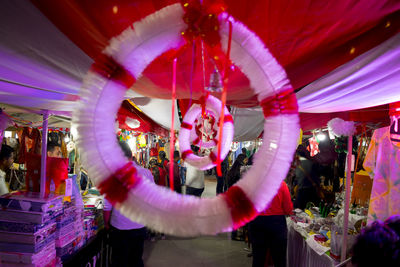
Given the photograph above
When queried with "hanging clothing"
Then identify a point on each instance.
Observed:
(30, 142)
(382, 162)
(3, 185)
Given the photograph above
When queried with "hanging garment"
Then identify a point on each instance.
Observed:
(382, 162)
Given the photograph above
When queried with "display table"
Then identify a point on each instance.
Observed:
(301, 254)
(93, 254)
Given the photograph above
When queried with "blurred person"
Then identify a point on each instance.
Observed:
(194, 178)
(378, 244)
(126, 236)
(307, 179)
(6, 161)
(233, 174)
(269, 230)
(163, 181)
(221, 184)
(176, 174)
(232, 177)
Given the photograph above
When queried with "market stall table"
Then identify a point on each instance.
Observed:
(301, 254)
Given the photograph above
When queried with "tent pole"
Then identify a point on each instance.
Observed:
(44, 154)
(347, 199)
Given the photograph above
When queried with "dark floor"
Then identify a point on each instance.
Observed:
(207, 251)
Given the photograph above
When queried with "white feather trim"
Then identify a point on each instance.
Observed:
(339, 127)
(155, 206)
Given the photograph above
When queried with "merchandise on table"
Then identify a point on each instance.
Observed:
(29, 238)
(321, 227)
(46, 255)
(31, 201)
(29, 216)
(31, 228)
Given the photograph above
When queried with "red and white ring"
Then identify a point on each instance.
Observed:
(204, 163)
(144, 202)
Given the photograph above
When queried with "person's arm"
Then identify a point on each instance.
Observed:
(287, 204)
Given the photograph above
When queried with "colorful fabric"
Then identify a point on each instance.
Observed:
(382, 162)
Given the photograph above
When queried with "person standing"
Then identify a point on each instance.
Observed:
(176, 174)
(232, 177)
(221, 185)
(234, 173)
(269, 230)
(194, 178)
(126, 236)
(6, 161)
(307, 178)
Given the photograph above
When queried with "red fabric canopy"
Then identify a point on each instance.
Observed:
(309, 38)
(147, 125)
(312, 121)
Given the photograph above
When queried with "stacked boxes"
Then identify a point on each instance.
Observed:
(69, 235)
(28, 229)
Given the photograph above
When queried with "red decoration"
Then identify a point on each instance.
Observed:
(284, 102)
(242, 209)
(116, 187)
(110, 69)
(186, 125)
(186, 153)
(394, 109)
(202, 21)
(56, 170)
(213, 157)
(313, 147)
(228, 118)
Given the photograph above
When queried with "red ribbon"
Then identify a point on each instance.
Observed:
(284, 102)
(196, 141)
(242, 209)
(186, 153)
(186, 125)
(228, 118)
(203, 24)
(116, 187)
(107, 67)
(213, 157)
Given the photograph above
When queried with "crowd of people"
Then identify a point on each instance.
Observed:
(267, 233)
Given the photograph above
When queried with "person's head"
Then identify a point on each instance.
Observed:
(152, 162)
(176, 156)
(126, 149)
(302, 151)
(162, 155)
(6, 157)
(394, 223)
(240, 160)
(377, 245)
(53, 150)
(195, 149)
(244, 151)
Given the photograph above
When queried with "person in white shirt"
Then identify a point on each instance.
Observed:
(6, 161)
(194, 178)
(126, 236)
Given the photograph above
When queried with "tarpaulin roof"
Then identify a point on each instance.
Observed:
(47, 47)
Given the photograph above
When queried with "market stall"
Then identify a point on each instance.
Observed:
(83, 64)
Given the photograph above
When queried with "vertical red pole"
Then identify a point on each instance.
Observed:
(223, 100)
